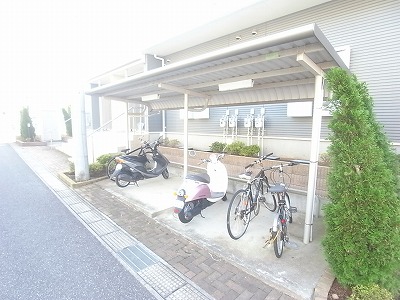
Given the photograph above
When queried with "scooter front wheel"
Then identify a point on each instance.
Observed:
(120, 182)
(185, 215)
(165, 174)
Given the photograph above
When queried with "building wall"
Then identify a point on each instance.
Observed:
(369, 27)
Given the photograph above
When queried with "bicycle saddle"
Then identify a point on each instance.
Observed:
(277, 188)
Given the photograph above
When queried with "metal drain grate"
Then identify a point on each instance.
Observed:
(163, 280)
(186, 292)
(118, 240)
(137, 258)
(103, 227)
(90, 216)
(80, 207)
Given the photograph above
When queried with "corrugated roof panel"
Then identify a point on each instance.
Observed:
(271, 59)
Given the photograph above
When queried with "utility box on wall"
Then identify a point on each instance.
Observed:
(299, 109)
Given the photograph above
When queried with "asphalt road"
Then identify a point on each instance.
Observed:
(45, 252)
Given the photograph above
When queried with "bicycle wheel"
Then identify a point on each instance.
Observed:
(270, 204)
(278, 238)
(111, 167)
(290, 219)
(238, 216)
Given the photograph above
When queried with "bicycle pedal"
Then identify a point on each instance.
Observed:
(293, 209)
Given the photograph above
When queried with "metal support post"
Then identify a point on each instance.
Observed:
(185, 136)
(80, 139)
(313, 169)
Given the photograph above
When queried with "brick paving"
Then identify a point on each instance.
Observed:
(209, 271)
(212, 273)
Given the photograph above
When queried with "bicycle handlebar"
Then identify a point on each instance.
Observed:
(281, 165)
(258, 160)
(207, 160)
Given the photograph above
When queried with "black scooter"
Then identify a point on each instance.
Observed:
(131, 169)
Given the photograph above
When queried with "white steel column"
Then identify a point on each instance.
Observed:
(307, 63)
(185, 117)
(185, 136)
(313, 169)
(127, 126)
(80, 139)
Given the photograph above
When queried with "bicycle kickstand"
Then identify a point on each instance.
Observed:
(270, 240)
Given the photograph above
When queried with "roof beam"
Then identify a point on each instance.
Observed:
(307, 63)
(181, 90)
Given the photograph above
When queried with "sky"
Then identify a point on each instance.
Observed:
(51, 48)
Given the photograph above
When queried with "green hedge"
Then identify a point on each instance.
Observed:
(236, 148)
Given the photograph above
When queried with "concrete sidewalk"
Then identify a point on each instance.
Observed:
(202, 251)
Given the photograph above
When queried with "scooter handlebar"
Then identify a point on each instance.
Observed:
(202, 161)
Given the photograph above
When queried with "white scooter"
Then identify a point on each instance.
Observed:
(199, 191)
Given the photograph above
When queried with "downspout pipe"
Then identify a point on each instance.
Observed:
(160, 58)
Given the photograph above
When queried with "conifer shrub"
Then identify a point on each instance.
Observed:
(67, 119)
(27, 130)
(362, 239)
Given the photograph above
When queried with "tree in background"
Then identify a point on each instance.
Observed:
(67, 119)
(362, 240)
(26, 127)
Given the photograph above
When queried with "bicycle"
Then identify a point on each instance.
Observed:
(247, 201)
(279, 234)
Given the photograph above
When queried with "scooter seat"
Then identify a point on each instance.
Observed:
(135, 158)
(199, 177)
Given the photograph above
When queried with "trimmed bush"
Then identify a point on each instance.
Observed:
(362, 239)
(238, 148)
(217, 147)
(105, 158)
(369, 292)
(250, 151)
(173, 143)
(98, 168)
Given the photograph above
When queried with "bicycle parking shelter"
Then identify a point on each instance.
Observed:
(283, 67)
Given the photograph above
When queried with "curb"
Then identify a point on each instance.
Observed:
(73, 184)
(323, 286)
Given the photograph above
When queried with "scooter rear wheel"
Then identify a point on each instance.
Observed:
(165, 174)
(120, 182)
(184, 215)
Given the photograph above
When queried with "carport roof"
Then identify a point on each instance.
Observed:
(272, 62)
